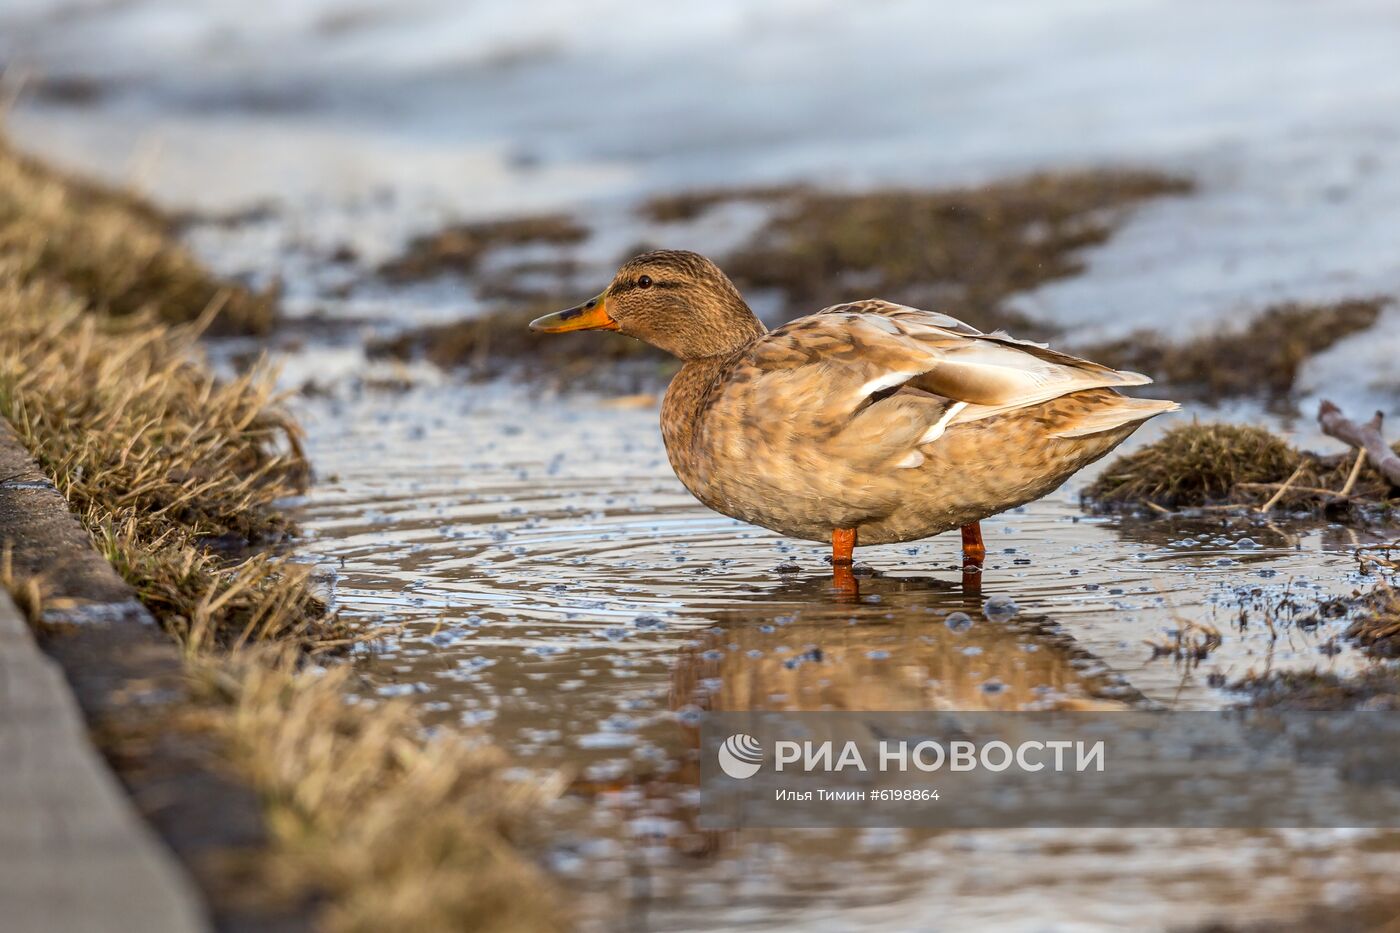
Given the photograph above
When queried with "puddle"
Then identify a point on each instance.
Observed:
(555, 585)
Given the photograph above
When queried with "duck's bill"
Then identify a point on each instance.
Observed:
(592, 315)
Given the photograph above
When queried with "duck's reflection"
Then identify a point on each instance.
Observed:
(845, 580)
(879, 643)
(883, 643)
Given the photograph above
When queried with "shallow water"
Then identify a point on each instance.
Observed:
(556, 585)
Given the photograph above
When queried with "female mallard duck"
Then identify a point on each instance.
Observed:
(866, 421)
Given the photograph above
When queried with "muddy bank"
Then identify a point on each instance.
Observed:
(458, 249)
(501, 344)
(115, 250)
(966, 252)
(1259, 358)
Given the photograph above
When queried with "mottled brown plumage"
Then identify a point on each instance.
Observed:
(892, 421)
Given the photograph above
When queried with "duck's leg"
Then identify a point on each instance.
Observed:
(974, 553)
(843, 543)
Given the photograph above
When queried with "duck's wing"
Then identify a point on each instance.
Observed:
(865, 348)
(889, 309)
(889, 378)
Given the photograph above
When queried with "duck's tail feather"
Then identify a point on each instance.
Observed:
(1125, 411)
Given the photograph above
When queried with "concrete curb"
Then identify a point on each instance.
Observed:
(74, 854)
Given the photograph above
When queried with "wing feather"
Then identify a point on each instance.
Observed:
(886, 379)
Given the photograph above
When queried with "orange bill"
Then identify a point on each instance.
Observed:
(591, 315)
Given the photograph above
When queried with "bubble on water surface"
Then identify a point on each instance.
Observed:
(689, 715)
(999, 608)
(958, 621)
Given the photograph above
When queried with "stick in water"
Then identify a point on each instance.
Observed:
(1366, 437)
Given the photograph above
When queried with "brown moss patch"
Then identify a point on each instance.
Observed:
(1262, 357)
(459, 248)
(501, 343)
(963, 251)
(1195, 464)
(688, 205)
(1375, 688)
(112, 250)
(1211, 464)
(1378, 627)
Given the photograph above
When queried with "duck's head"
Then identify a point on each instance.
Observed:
(675, 300)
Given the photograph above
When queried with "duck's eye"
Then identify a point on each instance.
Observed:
(644, 282)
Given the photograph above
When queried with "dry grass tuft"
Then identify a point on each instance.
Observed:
(1195, 464)
(163, 462)
(1263, 357)
(402, 832)
(1230, 464)
(126, 419)
(111, 250)
(963, 251)
(459, 248)
(1378, 628)
(208, 602)
(1376, 688)
(172, 470)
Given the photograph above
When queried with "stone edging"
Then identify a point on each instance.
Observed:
(74, 855)
(127, 678)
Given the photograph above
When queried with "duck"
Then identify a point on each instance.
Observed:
(866, 423)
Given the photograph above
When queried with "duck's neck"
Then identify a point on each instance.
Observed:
(686, 401)
(717, 325)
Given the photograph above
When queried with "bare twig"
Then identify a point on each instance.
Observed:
(1355, 472)
(1365, 437)
(1282, 489)
(1315, 490)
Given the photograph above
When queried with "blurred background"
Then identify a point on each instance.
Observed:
(367, 122)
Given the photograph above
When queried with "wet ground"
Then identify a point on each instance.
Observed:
(545, 577)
